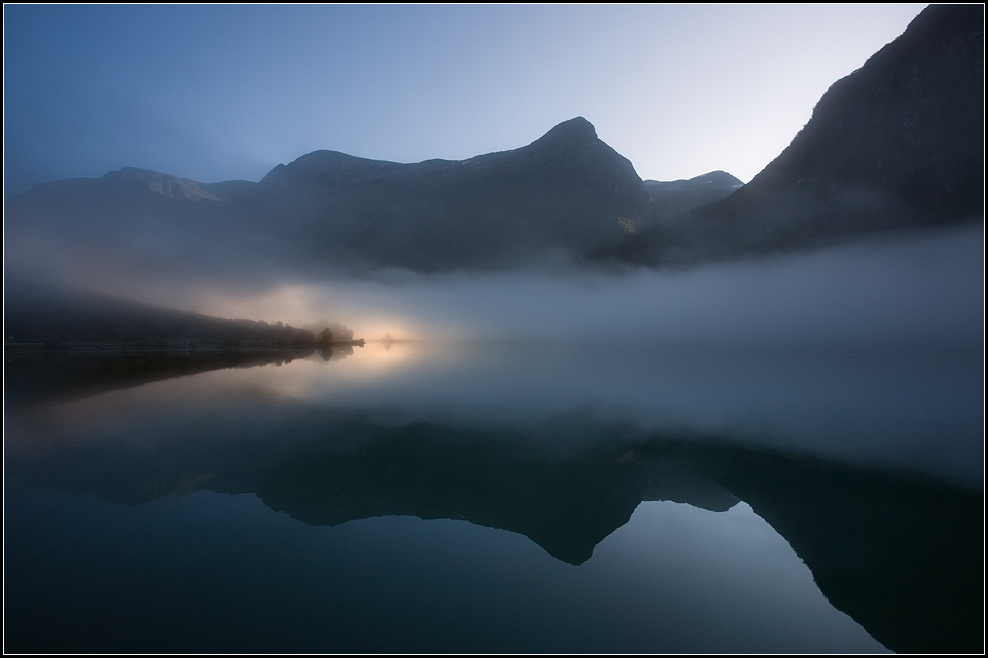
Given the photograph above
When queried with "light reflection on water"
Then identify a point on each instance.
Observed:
(905, 407)
(547, 448)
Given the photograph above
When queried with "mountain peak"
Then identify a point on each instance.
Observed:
(577, 129)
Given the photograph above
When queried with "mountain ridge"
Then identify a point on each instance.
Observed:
(897, 144)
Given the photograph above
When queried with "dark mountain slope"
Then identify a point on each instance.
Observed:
(131, 220)
(567, 190)
(898, 143)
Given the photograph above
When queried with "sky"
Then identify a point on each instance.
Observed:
(215, 93)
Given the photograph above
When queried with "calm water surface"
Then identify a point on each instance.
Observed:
(542, 496)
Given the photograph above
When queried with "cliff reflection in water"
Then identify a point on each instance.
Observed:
(901, 554)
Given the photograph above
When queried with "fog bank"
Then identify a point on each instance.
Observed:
(911, 288)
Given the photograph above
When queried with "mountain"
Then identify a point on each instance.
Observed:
(897, 144)
(673, 202)
(566, 192)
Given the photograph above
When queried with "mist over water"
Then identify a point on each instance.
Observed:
(869, 352)
(911, 288)
(837, 394)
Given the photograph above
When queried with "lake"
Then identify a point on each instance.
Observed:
(498, 496)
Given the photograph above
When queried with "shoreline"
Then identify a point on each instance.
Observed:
(166, 346)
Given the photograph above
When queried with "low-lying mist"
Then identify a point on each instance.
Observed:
(923, 287)
(787, 351)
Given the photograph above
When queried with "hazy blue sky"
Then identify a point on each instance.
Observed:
(217, 92)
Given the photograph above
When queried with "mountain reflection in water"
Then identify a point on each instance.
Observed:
(898, 551)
